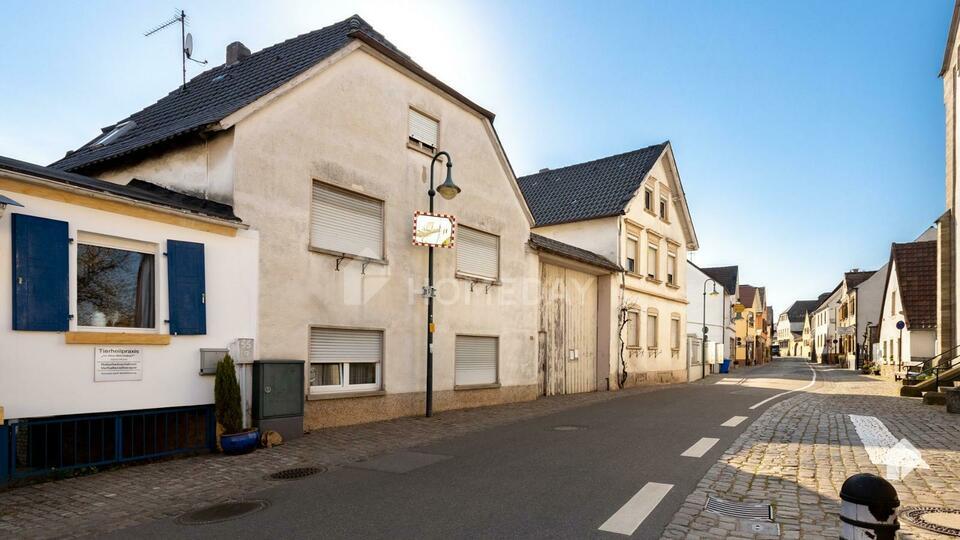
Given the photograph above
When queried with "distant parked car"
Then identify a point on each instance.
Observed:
(775, 350)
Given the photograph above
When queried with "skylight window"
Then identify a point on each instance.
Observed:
(116, 132)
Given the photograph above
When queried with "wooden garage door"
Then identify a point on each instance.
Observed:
(568, 331)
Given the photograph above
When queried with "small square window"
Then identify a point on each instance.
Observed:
(115, 287)
(423, 130)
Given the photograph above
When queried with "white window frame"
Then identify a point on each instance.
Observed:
(345, 386)
(496, 377)
(632, 254)
(126, 244)
(648, 195)
(416, 143)
(672, 278)
(664, 210)
(675, 332)
(313, 246)
(654, 246)
(459, 244)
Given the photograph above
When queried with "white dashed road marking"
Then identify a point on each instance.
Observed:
(734, 422)
(700, 448)
(781, 394)
(632, 514)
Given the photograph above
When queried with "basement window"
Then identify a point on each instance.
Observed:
(115, 133)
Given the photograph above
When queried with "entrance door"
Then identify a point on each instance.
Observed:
(568, 331)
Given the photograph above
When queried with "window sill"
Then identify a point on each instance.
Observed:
(634, 348)
(651, 212)
(315, 396)
(420, 148)
(476, 386)
(654, 280)
(338, 254)
(115, 338)
(477, 279)
(673, 286)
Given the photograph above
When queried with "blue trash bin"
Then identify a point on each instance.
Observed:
(725, 366)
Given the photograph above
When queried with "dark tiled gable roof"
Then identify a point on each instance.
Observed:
(916, 264)
(799, 309)
(223, 90)
(137, 190)
(726, 276)
(856, 278)
(590, 190)
(747, 292)
(556, 247)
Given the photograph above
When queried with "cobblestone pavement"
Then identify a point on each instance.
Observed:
(798, 453)
(120, 498)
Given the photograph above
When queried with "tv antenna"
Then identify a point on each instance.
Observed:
(186, 41)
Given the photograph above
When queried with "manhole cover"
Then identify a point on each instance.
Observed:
(297, 473)
(942, 520)
(739, 510)
(567, 428)
(221, 512)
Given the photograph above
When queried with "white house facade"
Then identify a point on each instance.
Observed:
(720, 284)
(116, 301)
(825, 327)
(640, 220)
(908, 330)
(325, 144)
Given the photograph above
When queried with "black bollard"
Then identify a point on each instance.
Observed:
(868, 508)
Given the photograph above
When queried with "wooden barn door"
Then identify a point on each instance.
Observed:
(568, 331)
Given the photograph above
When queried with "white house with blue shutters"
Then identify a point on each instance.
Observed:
(109, 295)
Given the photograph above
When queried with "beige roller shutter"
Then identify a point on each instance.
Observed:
(423, 129)
(345, 222)
(476, 360)
(336, 345)
(478, 253)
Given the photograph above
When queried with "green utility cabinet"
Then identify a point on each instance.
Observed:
(278, 397)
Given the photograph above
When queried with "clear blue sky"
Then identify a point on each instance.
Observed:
(809, 134)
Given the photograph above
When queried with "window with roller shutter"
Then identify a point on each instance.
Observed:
(423, 131)
(476, 360)
(478, 254)
(345, 359)
(345, 222)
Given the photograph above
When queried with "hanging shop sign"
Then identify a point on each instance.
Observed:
(434, 230)
(119, 363)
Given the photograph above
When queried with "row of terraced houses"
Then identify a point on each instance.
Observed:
(264, 210)
(900, 320)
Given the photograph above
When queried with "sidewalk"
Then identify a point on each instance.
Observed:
(121, 498)
(798, 453)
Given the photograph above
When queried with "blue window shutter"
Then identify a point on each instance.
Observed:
(187, 288)
(40, 274)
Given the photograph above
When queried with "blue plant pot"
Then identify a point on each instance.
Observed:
(240, 443)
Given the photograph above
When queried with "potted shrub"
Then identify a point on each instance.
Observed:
(226, 390)
(867, 368)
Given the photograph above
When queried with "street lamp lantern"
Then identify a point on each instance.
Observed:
(703, 345)
(448, 189)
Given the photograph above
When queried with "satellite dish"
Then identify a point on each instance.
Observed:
(188, 45)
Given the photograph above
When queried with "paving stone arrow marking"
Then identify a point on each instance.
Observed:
(899, 457)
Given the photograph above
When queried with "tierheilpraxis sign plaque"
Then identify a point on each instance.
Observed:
(118, 363)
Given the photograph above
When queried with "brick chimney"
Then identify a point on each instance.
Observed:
(236, 52)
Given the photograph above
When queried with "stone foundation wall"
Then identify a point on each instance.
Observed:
(655, 377)
(324, 413)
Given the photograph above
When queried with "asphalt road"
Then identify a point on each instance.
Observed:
(525, 479)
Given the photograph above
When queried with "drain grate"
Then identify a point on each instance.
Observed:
(739, 510)
(297, 473)
(942, 520)
(221, 512)
(567, 428)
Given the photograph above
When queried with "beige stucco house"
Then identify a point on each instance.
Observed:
(629, 208)
(324, 144)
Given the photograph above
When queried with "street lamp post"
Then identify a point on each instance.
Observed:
(447, 190)
(703, 346)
